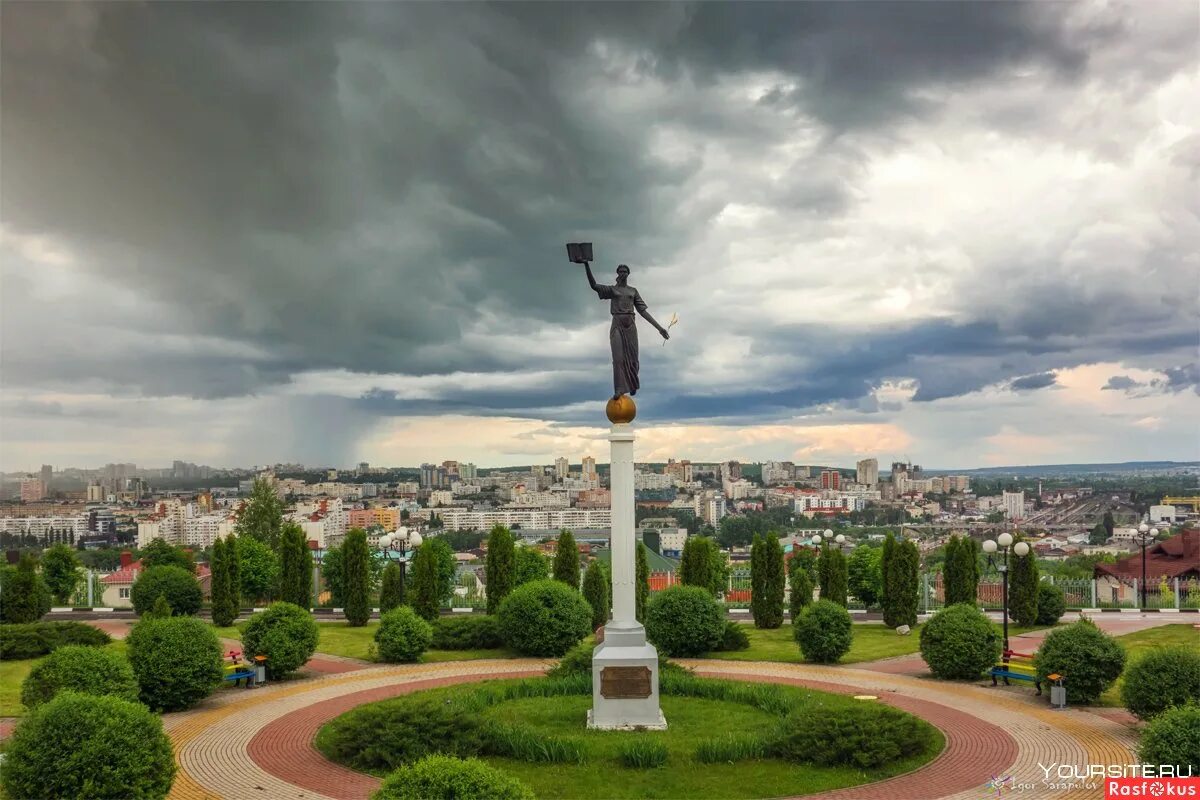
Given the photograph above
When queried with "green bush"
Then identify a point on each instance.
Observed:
(467, 632)
(24, 597)
(179, 586)
(402, 635)
(34, 639)
(801, 592)
(734, 638)
(823, 631)
(544, 618)
(1173, 737)
(80, 745)
(578, 661)
(960, 643)
(285, 633)
(177, 661)
(865, 737)
(87, 670)
(1088, 659)
(387, 735)
(1163, 678)
(642, 753)
(447, 778)
(1051, 604)
(685, 621)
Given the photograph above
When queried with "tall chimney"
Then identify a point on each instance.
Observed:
(126, 559)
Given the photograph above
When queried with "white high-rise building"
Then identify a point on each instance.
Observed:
(868, 472)
(1014, 505)
(562, 469)
(589, 469)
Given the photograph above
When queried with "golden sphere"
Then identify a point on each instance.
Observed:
(621, 410)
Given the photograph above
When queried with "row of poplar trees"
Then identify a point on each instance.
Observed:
(508, 566)
(295, 573)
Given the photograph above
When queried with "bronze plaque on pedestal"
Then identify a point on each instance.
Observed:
(625, 683)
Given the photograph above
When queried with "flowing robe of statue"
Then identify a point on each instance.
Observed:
(623, 336)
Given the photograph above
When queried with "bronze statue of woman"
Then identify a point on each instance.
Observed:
(622, 336)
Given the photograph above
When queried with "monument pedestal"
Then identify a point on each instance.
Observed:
(625, 665)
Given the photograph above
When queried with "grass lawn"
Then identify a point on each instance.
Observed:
(692, 720)
(1138, 644)
(872, 641)
(339, 639)
(13, 673)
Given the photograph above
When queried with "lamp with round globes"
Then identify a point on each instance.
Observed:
(816, 539)
(1021, 549)
(840, 539)
(828, 533)
(1003, 544)
(395, 547)
(1146, 536)
(989, 546)
(1005, 539)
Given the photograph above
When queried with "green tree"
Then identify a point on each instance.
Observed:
(531, 565)
(595, 591)
(1023, 588)
(864, 576)
(24, 596)
(500, 567)
(901, 582)
(887, 599)
(767, 582)
(223, 610)
(566, 560)
(836, 583)
(1098, 534)
(160, 553)
(447, 566)
(61, 572)
(801, 587)
(425, 593)
(233, 557)
(1109, 523)
(703, 564)
(806, 558)
(642, 586)
(356, 578)
(295, 566)
(160, 610)
(960, 574)
(258, 569)
(391, 592)
(331, 571)
(261, 516)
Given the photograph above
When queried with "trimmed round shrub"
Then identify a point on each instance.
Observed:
(960, 643)
(448, 778)
(1051, 604)
(1088, 659)
(544, 618)
(865, 736)
(734, 638)
(285, 633)
(467, 632)
(383, 736)
(1163, 678)
(823, 632)
(1173, 737)
(87, 670)
(80, 745)
(39, 638)
(177, 661)
(176, 584)
(685, 621)
(402, 635)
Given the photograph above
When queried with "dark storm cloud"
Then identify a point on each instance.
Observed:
(1174, 380)
(1121, 383)
(351, 186)
(1041, 380)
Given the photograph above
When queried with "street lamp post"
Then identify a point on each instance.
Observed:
(399, 543)
(1146, 535)
(1004, 542)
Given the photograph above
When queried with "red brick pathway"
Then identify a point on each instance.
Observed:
(7, 725)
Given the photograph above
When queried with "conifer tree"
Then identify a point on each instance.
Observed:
(500, 567)
(424, 594)
(801, 591)
(642, 587)
(902, 584)
(835, 574)
(767, 588)
(223, 612)
(566, 560)
(391, 590)
(596, 592)
(233, 557)
(888, 598)
(695, 567)
(356, 578)
(24, 596)
(295, 573)
(1022, 587)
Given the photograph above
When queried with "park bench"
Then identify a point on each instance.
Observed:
(236, 671)
(1016, 666)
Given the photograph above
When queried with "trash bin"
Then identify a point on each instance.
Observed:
(260, 670)
(1058, 692)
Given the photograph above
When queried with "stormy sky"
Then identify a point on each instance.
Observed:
(963, 233)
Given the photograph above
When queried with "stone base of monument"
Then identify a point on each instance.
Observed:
(625, 683)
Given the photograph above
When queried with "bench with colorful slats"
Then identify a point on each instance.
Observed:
(1016, 666)
(236, 671)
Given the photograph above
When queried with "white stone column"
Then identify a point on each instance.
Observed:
(623, 535)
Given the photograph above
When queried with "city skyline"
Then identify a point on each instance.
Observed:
(887, 230)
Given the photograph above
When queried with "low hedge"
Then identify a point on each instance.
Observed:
(960, 643)
(1173, 737)
(685, 621)
(87, 670)
(467, 632)
(448, 778)
(176, 584)
(866, 736)
(1088, 659)
(177, 661)
(34, 639)
(402, 635)
(544, 618)
(823, 632)
(734, 638)
(80, 745)
(384, 736)
(1163, 678)
(578, 661)
(285, 633)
